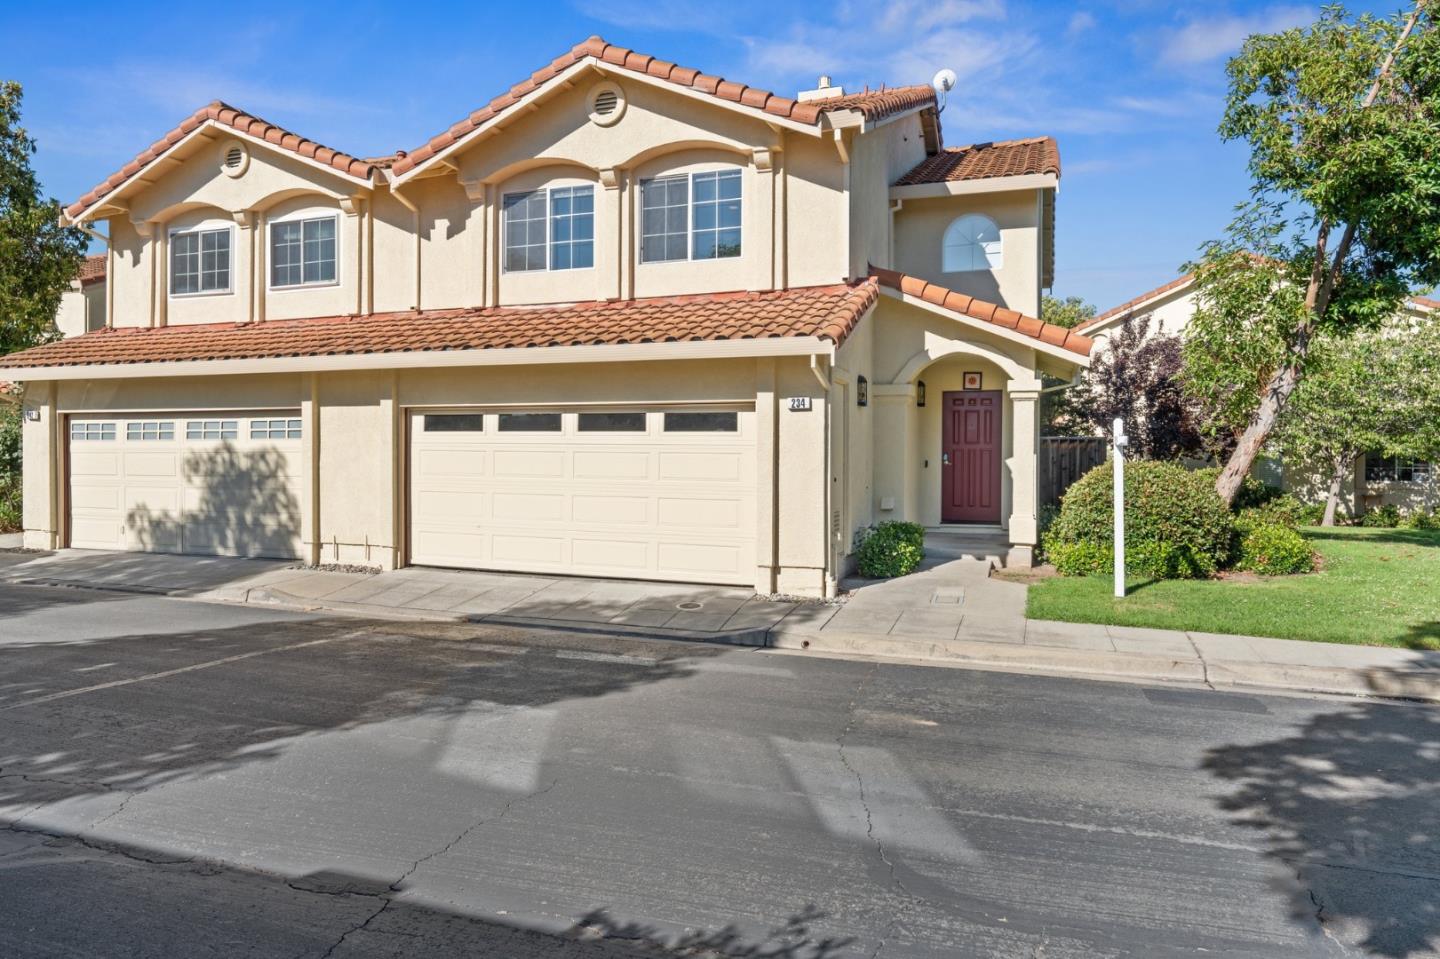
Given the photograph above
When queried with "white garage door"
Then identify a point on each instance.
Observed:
(220, 484)
(643, 494)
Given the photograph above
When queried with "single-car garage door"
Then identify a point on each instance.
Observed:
(220, 484)
(643, 494)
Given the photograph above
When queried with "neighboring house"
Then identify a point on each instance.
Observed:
(1377, 480)
(627, 319)
(82, 307)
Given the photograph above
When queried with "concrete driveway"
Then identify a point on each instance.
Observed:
(188, 779)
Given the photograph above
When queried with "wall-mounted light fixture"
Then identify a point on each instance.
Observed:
(862, 391)
(919, 392)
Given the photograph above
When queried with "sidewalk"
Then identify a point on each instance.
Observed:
(951, 613)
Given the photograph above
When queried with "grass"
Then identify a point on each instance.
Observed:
(1375, 587)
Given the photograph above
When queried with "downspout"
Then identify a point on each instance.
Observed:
(415, 220)
(826, 547)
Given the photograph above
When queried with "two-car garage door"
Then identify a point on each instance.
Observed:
(638, 493)
(226, 484)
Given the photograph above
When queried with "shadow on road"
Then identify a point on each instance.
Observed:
(1350, 807)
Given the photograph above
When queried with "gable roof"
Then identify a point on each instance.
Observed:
(999, 316)
(1129, 306)
(222, 114)
(979, 161)
(826, 312)
(874, 105)
(92, 269)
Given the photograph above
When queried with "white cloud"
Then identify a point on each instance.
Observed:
(1207, 38)
(1080, 22)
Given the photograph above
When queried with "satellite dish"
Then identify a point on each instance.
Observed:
(943, 83)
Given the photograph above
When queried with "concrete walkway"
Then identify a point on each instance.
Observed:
(951, 612)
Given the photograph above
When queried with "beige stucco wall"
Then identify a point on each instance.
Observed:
(1169, 315)
(82, 308)
(919, 232)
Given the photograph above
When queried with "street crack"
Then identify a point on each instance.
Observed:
(1204, 666)
(387, 897)
(879, 845)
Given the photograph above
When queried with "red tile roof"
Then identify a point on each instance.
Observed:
(875, 105)
(1131, 304)
(980, 161)
(226, 115)
(937, 295)
(92, 269)
(828, 312)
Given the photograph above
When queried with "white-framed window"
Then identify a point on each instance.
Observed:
(93, 432)
(212, 429)
(550, 229)
(275, 429)
(303, 251)
(691, 216)
(150, 430)
(972, 242)
(200, 261)
(1395, 469)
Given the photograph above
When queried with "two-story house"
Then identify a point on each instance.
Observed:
(627, 319)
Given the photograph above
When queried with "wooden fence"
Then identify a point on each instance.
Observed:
(1063, 460)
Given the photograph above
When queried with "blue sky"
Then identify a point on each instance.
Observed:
(1131, 88)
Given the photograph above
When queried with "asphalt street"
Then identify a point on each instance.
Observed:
(183, 779)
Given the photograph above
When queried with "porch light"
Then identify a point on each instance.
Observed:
(919, 392)
(862, 391)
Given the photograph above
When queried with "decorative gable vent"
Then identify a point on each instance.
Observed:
(234, 158)
(607, 103)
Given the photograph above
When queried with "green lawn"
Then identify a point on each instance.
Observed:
(1376, 587)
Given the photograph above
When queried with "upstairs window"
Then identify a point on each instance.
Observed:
(200, 262)
(550, 229)
(972, 242)
(690, 216)
(1395, 469)
(302, 252)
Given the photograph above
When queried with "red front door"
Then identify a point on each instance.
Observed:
(970, 464)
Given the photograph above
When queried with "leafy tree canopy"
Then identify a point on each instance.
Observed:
(1344, 214)
(38, 257)
(1136, 377)
(1069, 312)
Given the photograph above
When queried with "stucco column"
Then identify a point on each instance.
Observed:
(762, 211)
(609, 255)
(42, 467)
(893, 459)
(766, 467)
(1024, 470)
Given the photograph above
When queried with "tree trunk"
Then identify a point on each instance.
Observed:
(1343, 464)
(1272, 401)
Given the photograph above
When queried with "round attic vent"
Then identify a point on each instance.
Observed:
(234, 158)
(607, 103)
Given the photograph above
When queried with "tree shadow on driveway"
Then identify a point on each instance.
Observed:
(1350, 807)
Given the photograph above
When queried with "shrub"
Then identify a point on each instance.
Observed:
(1313, 514)
(1383, 517)
(1272, 549)
(890, 549)
(9, 467)
(1175, 524)
(1281, 510)
(9, 505)
(1420, 519)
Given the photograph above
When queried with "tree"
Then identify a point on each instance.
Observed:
(1374, 391)
(1344, 214)
(38, 257)
(1058, 414)
(1069, 312)
(1137, 378)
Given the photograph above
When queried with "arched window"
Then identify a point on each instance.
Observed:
(972, 242)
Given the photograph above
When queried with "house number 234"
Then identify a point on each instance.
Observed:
(799, 404)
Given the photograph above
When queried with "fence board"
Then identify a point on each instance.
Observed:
(1063, 460)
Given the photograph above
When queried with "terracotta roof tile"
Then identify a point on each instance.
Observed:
(226, 115)
(983, 311)
(873, 104)
(830, 312)
(980, 161)
(92, 269)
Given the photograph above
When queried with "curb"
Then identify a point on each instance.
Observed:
(755, 637)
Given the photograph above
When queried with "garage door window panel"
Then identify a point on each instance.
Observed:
(212, 430)
(454, 422)
(149, 430)
(702, 422)
(92, 432)
(288, 429)
(529, 422)
(622, 422)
